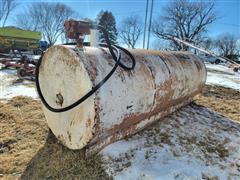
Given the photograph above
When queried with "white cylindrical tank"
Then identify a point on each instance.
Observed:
(129, 101)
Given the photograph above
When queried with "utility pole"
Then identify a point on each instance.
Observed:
(145, 25)
(150, 25)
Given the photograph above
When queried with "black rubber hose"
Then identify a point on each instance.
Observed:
(118, 47)
(117, 59)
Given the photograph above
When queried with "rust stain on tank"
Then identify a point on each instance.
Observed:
(128, 127)
(119, 133)
(130, 119)
(166, 87)
(97, 117)
(88, 124)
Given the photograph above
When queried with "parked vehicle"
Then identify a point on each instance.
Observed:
(209, 58)
(12, 38)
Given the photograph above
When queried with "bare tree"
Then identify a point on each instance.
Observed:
(47, 18)
(27, 21)
(208, 43)
(184, 19)
(227, 45)
(130, 30)
(6, 7)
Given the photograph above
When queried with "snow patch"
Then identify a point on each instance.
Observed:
(11, 86)
(221, 75)
(193, 143)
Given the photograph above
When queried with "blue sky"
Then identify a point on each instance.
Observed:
(228, 11)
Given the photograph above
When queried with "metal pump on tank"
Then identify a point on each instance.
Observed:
(93, 96)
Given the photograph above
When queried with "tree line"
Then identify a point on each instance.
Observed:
(184, 19)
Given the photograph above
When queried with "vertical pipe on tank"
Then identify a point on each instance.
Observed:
(94, 37)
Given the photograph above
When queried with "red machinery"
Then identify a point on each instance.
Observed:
(25, 67)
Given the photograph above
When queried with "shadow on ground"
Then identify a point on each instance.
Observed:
(54, 161)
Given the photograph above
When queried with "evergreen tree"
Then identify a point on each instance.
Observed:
(107, 20)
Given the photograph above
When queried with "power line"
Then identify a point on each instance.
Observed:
(228, 24)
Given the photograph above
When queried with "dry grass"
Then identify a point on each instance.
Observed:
(28, 150)
(220, 99)
(22, 132)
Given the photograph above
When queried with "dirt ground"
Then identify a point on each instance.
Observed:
(28, 150)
